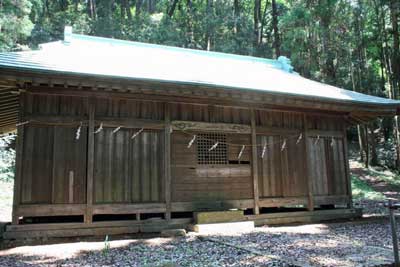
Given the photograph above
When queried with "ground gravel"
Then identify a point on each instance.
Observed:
(360, 243)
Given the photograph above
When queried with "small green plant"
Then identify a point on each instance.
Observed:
(106, 248)
(361, 190)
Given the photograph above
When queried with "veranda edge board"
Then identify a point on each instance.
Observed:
(24, 231)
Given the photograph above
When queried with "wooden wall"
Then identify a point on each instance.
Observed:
(128, 171)
(55, 167)
(196, 182)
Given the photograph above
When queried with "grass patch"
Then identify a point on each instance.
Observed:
(386, 175)
(361, 190)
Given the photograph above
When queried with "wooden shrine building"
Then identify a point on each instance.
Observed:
(120, 137)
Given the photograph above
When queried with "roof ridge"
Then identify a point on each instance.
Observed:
(69, 37)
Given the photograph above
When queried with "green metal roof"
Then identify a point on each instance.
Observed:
(87, 55)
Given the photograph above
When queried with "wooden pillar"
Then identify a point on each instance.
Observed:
(90, 162)
(310, 202)
(254, 162)
(18, 159)
(167, 161)
(347, 169)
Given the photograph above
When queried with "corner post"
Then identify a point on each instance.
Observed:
(90, 162)
(18, 159)
(310, 202)
(254, 162)
(167, 160)
(347, 169)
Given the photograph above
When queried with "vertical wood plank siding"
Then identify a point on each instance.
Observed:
(158, 167)
(126, 170)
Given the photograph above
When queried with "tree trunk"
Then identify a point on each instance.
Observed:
(172, 8)
(257, 26)
(138, 7)
(236, 13)
(366, 147)
(394, 15)
(374, 155)
(209, 15)
(127, 7)
(397, 138)
(92, 8)
(360, 142)
(277, 41)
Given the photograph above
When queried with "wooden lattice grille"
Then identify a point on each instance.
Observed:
(218, 155)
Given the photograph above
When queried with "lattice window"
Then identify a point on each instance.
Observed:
(218, 155)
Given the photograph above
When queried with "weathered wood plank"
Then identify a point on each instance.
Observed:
(282, 201)
(324, 133)
(167, 160)
(18, 161)
(254, 162)
(310, 204)
(90, 163)
(212, 205)
(213, 127)
(347, 169)
(129, 208)
(50, 209)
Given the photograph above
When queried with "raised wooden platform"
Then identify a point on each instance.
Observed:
(154, 226)
(22, 231)
(305, 216)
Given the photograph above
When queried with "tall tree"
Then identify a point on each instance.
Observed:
(277, 41)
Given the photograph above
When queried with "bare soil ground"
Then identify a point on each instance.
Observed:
(361, 243)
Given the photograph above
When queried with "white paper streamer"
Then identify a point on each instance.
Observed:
(263, 151)
(241, 152)
(191, 141)
(21, 123)
(299, 139)
(137, 133)
(78, 132)
(283, 145)
(214, 146)
(99, 129)
(116, 129)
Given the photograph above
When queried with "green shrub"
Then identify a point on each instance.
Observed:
(7, 157)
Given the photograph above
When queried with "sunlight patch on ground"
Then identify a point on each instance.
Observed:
(64, 250)
(298, 229)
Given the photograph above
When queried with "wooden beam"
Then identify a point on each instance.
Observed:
(310, 204)
(18, 164)
(8, 106)
(43, 119)
(96, 228)
(219, 204)
(156, 95)
(90, 162)
(129, 208)
(131, 123)
(254, 162)
(282, 201)
(50, 209)
(323, 133)
(347, 169)
(277, 131)
(9, 120)
(167, 160)
(213, 127)
(209, 91)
